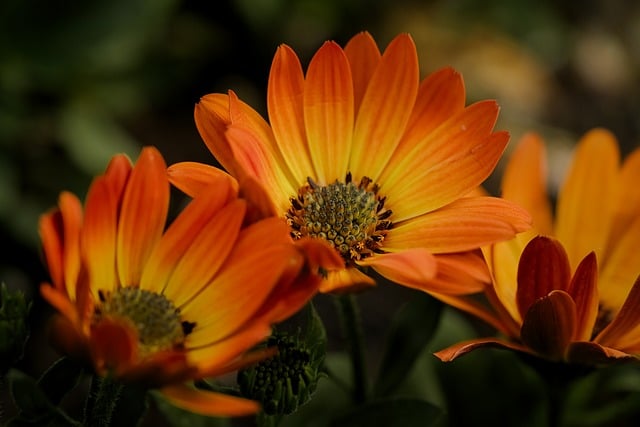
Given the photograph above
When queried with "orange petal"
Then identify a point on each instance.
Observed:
(286, 114)
(346, 280)
(463, 225)
(218, 356)
(205, 254)
(549, 324)
(143, 215)
(460, 349)
(524, 181)
(620, 268)
(261, 164)
(320, 254)
(209, 403)
(117, 174)
(364, 57)
(114, 346)
(413, 268)
(259, 204)
(440, 96)
(446, 164)
(188, 227)
(585, 202)
(193, 178)
(60, 234)
(627, 198)
(459, 274)
(239, 290)
(385, 109)
(99, 236)
(543, 268)
(60, 301)
(212, 118)
(624, 330)
(328, 112)
(584, 291)
(502, 259)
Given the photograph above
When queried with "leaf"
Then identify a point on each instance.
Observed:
(34, 407)
(393, 412)
(61, 377)
(411, 330)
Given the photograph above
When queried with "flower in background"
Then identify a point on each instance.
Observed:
(163, 307)
(597, 221)
(363, 155)
(560, 313)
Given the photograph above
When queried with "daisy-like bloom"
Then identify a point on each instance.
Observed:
(165, 306)
(360, 153)
(558, 313)
(598, 212)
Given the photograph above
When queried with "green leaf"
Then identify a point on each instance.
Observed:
(34, 407)
(411, 330)
(393, 412)
(61, 377)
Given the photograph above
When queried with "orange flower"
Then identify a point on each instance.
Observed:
(597, 216)
(163, 307)
(560, 312)
(361, 154)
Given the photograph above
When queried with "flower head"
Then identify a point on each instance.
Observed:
(361, 154)
(593, 316)
(165, 306)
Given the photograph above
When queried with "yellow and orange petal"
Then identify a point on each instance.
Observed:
(360, 122)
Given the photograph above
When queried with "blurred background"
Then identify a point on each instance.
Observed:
(80, 81)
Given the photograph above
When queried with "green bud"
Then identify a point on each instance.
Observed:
(287, 380)
(14, 327)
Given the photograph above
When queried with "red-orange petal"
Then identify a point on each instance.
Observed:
(143, 215)
(543, 267)
(584, 291)
(114, 346)
(209, 403)
(590, 353)
(549, 324)
(346, 280)
(212, 119)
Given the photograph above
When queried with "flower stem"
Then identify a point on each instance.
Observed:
(101, 402)
(354, 336)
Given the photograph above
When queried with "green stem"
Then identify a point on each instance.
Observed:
(101, 402)
(354, 336)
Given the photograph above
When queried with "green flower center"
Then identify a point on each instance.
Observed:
(155, 318)
(351, 217)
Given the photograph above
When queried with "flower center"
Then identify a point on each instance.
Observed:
(351, 217)
(153, 316)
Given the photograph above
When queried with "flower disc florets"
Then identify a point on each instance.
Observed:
(351, 217)
(155, 318)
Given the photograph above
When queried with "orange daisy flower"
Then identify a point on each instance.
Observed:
(598, 211)
(162, 307)
(362, 154)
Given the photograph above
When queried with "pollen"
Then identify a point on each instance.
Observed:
(351, 217)
(155, 318)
